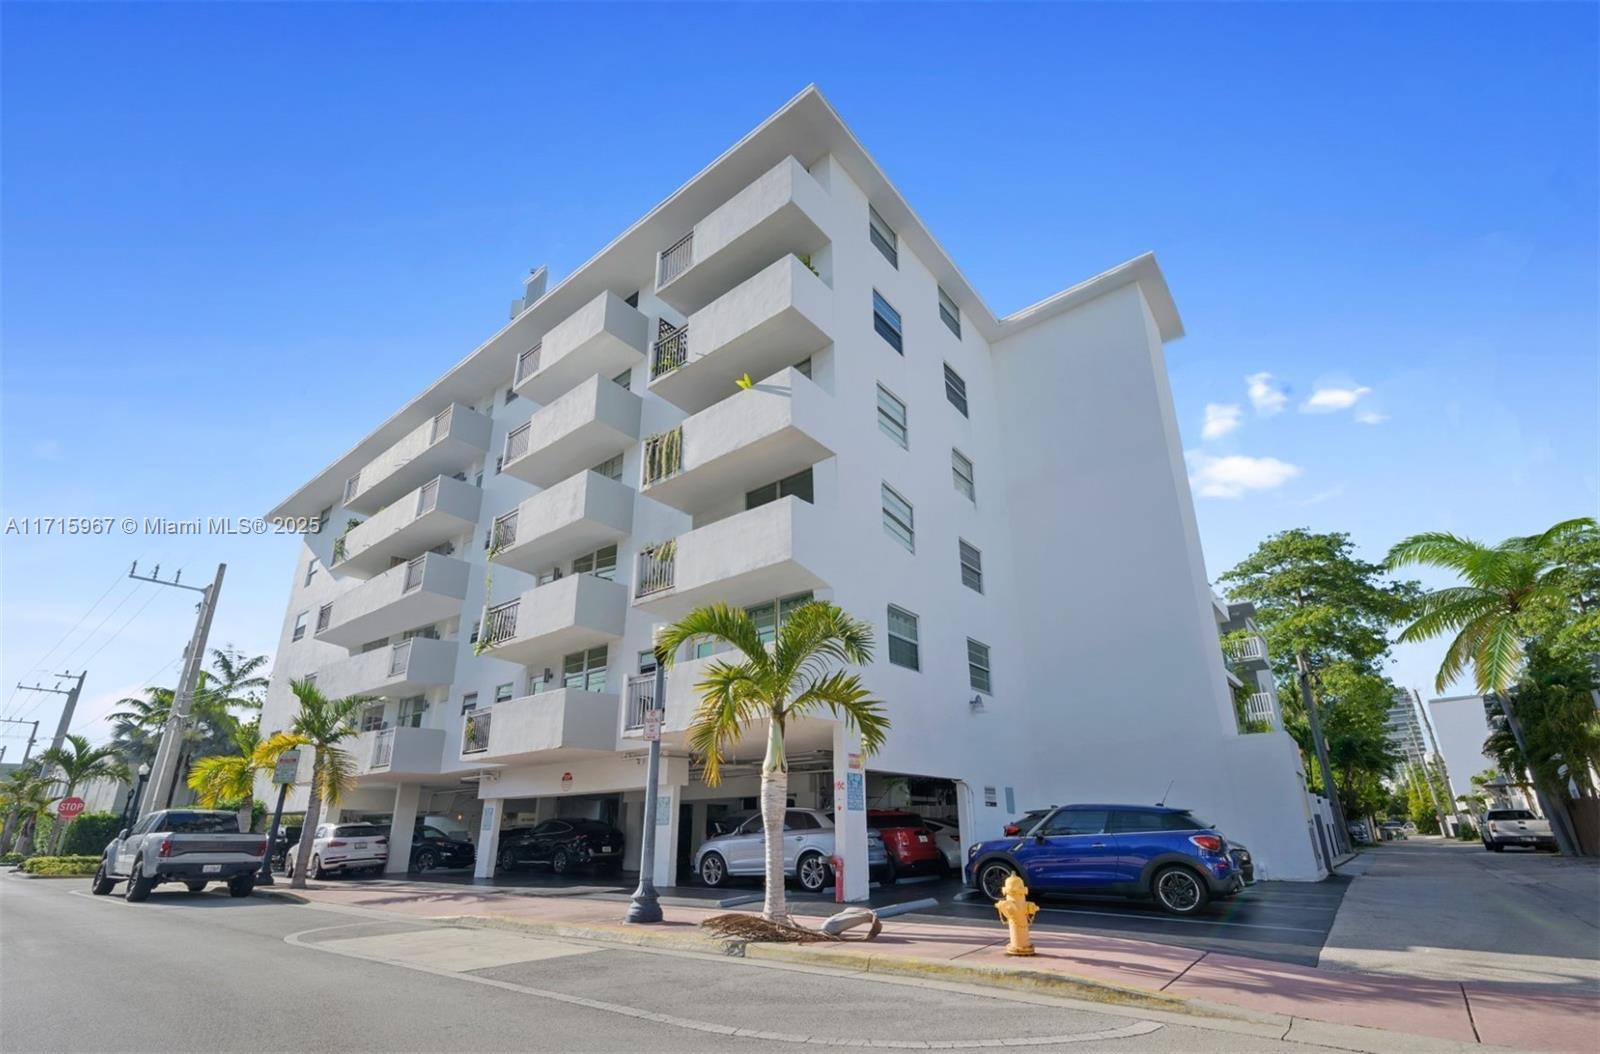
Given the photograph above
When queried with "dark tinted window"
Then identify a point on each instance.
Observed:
(593, 827)
(795, 820)
(201, 823)
(1075, 821)
(1510, 814)
(360, 830)
(751, 826)
(433, 834)
(889, 823)
(1028, 820)
(550, 827)
(1131, 820)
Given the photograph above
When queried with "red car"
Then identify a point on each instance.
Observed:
(911, 845)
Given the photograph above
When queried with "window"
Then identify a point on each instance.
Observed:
(499, 463)
(892, 416)
(585, 670)
(372, 718)
(949, 313)
(1075, 821)
(311, 570)
(611, 468)
(769, 617)
(883, 237)
(797, 485)
(624, 380)
(886, 320)
(1132, 821)
(469, 702)
(795, 820)
(898, 521)
(411, 710)
(311, 679)
(322, 519)
(971, 565)
(903, 649)
(602, 563)
(955, 389)
(978, 667)
(300, 625)
(961, 469)
(647, 661)
(502, 692)
(477, 626)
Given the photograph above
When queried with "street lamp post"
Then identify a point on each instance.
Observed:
(138, 792)
(645, 906)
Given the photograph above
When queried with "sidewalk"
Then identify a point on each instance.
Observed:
(1547, 1018)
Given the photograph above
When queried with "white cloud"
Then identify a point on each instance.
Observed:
(1221, 418)
(1232, 476)
(1332, 400)
(1371, 417)
(1266, 394)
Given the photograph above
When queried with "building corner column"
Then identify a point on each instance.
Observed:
(850, 813)
(488, 838)
(666, 864)
(402, 822)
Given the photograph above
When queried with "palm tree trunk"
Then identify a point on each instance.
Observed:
(308, 827)
(774, 799)
(1550, 804)
(58, 830)
(9, 829)
(25, 836)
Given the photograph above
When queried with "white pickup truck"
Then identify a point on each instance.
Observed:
(1503, 827)
(192, 846)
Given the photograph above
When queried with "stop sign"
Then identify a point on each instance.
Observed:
(69, 808)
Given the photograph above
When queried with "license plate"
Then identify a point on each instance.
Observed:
(210, 869)
(605, 849)
(361, 845)
(922, 838)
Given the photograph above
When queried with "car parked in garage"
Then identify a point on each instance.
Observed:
(807, 850)
(907, 839)
(1164, 853)
(344, 847)
(947, 836)
(563, 845)
(432, 848)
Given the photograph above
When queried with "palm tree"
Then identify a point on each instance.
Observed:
(1505, 582)
(26, 797)
(238, 683)
(776, 684)
(321, 724)
(79, 764)
(219, 778)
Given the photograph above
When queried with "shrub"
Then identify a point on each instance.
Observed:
(61, 865)
(1466, 831)
(10, 858)
(90, 834)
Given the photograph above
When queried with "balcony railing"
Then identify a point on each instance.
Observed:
(475, 733)
(1258, 707)
(527, 365)
(663, 455)
(441, 425)
(503, 534)
(399, 658)
(675, 259)
(669, 351)
(1248, 649)
(517, 442)
(500, 624)
(641, 697)
(414, 574)
(428, 497)
(352, 485)
(382, 749)
(324, 616)
(656, 567)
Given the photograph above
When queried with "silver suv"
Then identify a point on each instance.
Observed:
(807, 850)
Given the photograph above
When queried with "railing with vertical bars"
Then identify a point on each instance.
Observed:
(414, 571)
(504, 531)
(501, 623)
(1258, 707)
(517, 443)
(324, 616)
(399, 658)
(428, 497)
(441, 425)
(675, 259)
(527, 364)
(351, 486)
(663, 455)
(475, 732)
(383, 749)
(670, 351)
(641, 697)
(656, 568)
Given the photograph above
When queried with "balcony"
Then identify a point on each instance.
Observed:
(441, 509)
(399, 752)
(771, 551)
(550, 726)
(417, 593)
(603, 337)
(1248, 653)
(567, 615)
(783, 211)
(408, 667)
(442, 446)
(1258, 707)
(771, 320)
(590, 424)
(781, 426)
(576, 516)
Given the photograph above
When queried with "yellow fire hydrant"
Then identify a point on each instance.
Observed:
(1017, 912)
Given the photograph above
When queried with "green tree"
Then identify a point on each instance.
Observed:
(1319, 605)
(236, 682)
(802, 672)
(80, 764)
(24, 792)
(1356, 705)
(321, 724)
(1560, 738)
(225, 779)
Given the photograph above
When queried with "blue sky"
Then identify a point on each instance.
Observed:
(236, 237)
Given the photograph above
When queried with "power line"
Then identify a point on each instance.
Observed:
(39, 664)
(107, 642)
(101, 624)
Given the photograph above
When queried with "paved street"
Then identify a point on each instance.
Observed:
(204, 972)
(1453, 911)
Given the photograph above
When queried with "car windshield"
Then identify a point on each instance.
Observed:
(202, 823)
(359, 830)
(1510, 814)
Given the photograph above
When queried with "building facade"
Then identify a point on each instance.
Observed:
(777, 386)
(1405, 728)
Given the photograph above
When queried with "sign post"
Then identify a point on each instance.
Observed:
(68, 808)
(284, 774)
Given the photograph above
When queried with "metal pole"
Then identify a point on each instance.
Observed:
(645, 906)
(1341, 834)
(265, 877)
(166, 764)
(66, 711)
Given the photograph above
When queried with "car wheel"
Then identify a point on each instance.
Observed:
(102, 885)
(1179, 890)
(241, 886)
(139, 884)
(1496, 847)
(891, 872)
(316, 868)
(195, 887)
(426, 861)
(812, 873)
(713, 870)
(992, 878)
(560, 863)
(507, 860)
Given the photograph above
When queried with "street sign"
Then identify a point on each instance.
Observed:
(287, 768)
(652, 725)
(68, 808)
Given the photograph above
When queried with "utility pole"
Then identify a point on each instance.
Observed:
(1341, 833)
(165, 769)
(32, 735)
(66, 711)
(12, 814)
(1444, 771)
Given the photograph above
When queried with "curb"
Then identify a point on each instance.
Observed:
(1039, 981)
(292, 898)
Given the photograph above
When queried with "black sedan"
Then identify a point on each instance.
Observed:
(431, 848)
(564, 845)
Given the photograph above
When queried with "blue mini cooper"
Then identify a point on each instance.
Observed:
(1128, 850)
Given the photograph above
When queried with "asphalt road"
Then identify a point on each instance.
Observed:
(205, 972)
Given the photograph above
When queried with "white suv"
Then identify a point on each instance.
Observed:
(344, 847)
(807, 850)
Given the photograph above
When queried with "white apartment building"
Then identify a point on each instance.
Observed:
(1405, 728)
(1003, 499)
(1247, 664)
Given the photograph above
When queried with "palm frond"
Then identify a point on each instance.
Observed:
(336, 776)
(720, 622)
(1499, 657)
(1462, 651)
(732, 697)
(842, 693)
(1447, 610)
(1439, 548)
